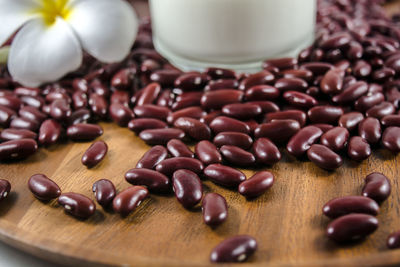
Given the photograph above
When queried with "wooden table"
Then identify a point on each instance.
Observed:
(287, 221)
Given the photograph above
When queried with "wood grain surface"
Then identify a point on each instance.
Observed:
(287, 221)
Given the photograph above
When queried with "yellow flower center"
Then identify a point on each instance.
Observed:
(51, 9)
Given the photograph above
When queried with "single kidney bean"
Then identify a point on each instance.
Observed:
(152, 157)
(393, 240)
(297, 115)
(375, 88)
(393, 62)
(121, 97)
(79, 116)
(392, 95)
(224, 175)
(391, 139)
(391, 120)
(351, 93)
(355, 51)
(351, 227)
(221, 84)
(153, 180)
(11, 102)
(121, 114)
(325, 114)
(149, 94)
(209, 117)
(214, 208)
(152, 111)
(281, 63)
(21, 123)
(332, 82)
(98, 105)
(299, 100)
(6, 115)
(129, 199)
(368, 101)
(237, 156)
(60, 110)
(266, 152)
(165, 77)
(149, 65)
(336, 138)
(27, 91)
(190, 112)
(161, 136)
(257, 184)
(17, 149)
(259, 78)
(165, 99)
(336, 40)
(77, 205)
(298, 73)
(187, 187)
(291, 84)
(5, 188)
(169, 166)
(49, 132)
(178, 149)
(193, 128)
(187, 99)
(324, 157)
(266, 106)
(84, 132)
(139, 125)
(242, 111)
(302, 140)
(191, 81)
(350, 204)
(351, 120)
(323, 126)
(99, 88)
(79, 84)
(370, 130)
(317, 68)
(104, 192)
(226, 124)
(362, 69)
(123, 79)
(219, 73)
(381, 110)
(16, 134)
(262, 92)
(234, 249)
(207, 152)
(94, 154)
(79, 100)
(343, 65)
(233, 138)
(43, 188)
(377, 186)
(382, 75)
(278, 130)
(32, 101)
(218, 99)
(358, 148)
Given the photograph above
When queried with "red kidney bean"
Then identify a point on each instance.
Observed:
(161, 136)
(252, 124)
(188, 99)
(257, 184)
(351, 227)
(139, 125)
(291, 84)
(123, 79)
(242, 111)
(191, 81)
(84, 132)
(27, 91)
(156, 182)
(79, 99)
(298, 73)
(324, 157)
(382, 75)
(77, 205)
(165, 77)
(165, 99)
(237, 156)
(299, 100)
(218, 99)
(129, 199)
(191, 112)
(226, 124)
(233, 138)
(370, 130)
(358, 148)
(351, 93)
(209, 117)
(178, 149)
(266, 106)
(193, 128)
(281, 63)
(374, 88)
(325, 114)
(351, 120)
(234, 249)
(169, 166)
(98, 105)
(259, 78)
(278, 130)
(207, 153)
(94, 154)
(224, 175)
(11, 102)
(149, 65)
(377, 186)
(221, 84)
(219, 73)
(332, 82)
(337, 40)
(381, 110)
(152, 111)
(393, 95)
(32, 101)
(149, 94)
(368, 101)
(343, 65)
(121, 97)
(215, 209)
(32, 114)
(104, 192)
(393, 62)
(302, 140)
(16, 134)
(317, 68)
(152, 157)
(5, 188)
(21, 123)
(43, 188)
(296, 115)
(393, 240)
(79, 116)
(266, 152)
(391, 139)
(6, 115)
(361, 69)
(187, 187)
(355, 51)
(350, 204)
(262, 92)
(17, 149)
(80, 85)
(391, 120)
(336, 138)
(323, 126)
(49, 132)
(121, 114)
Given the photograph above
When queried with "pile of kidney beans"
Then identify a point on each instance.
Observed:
(339, 97)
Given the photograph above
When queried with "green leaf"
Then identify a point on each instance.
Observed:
(4, 54)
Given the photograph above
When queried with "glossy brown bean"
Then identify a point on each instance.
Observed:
(224, 175)
(5, 188)
(233, 138)
(317, 68)
(391, 139)
(377, 186)
(257, 184)
(266, 152)
(6, 115)
(383, 75)
(368, 101)
(123, 79)
(219, 73)
(11, 102)
(82, 115)
(152, 157)
(296, 115)
(391, 120)
(193, 128)
(358, 148)
(120, 114)
(362, 69)
(179, 149)
(262, 92)
(266, 106)
(218, 99)
(291, 84)
(281, 63)
(207, 153)
(226, 124)
(98, 105)
(152, 111)
(17, 149)
(234, 249)
(370, 130)
(165, 77)
(149, 94)
(165, 99)
(336, 40)
(154, 181)
(49, 132)
(209, 117)
(22, 123)
(187, 187)
(323, 126)
(139, 125)
(351, 227)
(324, 157)
(84, 132)
(129, 199)
(350, 204)
(325, 114)
(336, 138)
(169, 166)
(43, 188)
(32, 101)
(16, 134)
(263, 77)
(77, 205)
(278, 130)
(381, 110)
(242, 111)
(27, 91)
(191, 81)
(191, 112)
(351, 93)
(237, 156)
(221, 84)
(187, 99)
(60, 109)
(79, 99)
(104, 192)
(121, 97)
(161, 136)
(332, 82)
(298, 73)
(351, 120)
(300, 100)
(94, 154)
(302, 140)
(215, 209)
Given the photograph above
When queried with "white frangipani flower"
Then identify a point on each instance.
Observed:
(52, 34)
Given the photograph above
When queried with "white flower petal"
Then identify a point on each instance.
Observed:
(106, 28)
(42, 53)
(13, 14)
